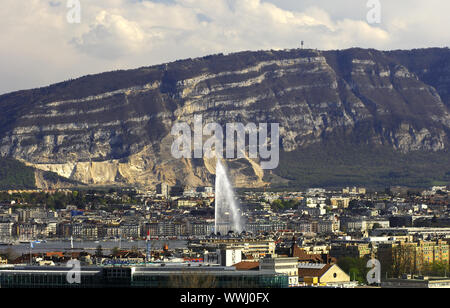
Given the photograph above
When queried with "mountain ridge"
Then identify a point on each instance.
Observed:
(114, 127)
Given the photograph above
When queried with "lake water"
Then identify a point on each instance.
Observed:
(91, 246)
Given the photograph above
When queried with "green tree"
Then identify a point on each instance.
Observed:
(376, 226)
(115, 251)
(355, 267)
(10, 254)
(99, 251)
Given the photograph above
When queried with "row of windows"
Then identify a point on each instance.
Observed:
(11, 280)
(218, 281)
(60, 280)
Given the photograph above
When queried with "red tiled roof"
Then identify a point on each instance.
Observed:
(53, 254)
(314, 272)
(303, 256)
(247, 266)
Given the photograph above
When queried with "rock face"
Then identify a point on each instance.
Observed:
(114, 128)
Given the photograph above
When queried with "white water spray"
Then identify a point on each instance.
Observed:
(227, 210)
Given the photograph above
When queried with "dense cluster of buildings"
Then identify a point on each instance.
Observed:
(290, 239)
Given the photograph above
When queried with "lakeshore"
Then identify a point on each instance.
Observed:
(91, 246)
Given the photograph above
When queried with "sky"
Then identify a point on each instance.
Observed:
(43, 42)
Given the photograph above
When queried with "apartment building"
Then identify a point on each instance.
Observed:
(353, 250)
(6, 229)
(413, 255)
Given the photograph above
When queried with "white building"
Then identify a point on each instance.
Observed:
(229, 257)
(6, 229)
(287, 266)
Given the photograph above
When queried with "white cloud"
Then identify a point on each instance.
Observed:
(111, 36)
(40, 47)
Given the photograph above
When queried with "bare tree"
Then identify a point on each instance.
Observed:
(403, 260)
(10, 254)
(189, 279)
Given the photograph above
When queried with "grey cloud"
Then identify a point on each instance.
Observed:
(131, 33)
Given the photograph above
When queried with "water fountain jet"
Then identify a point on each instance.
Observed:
(227, 210)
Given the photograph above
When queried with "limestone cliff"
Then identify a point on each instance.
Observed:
(114, 128)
